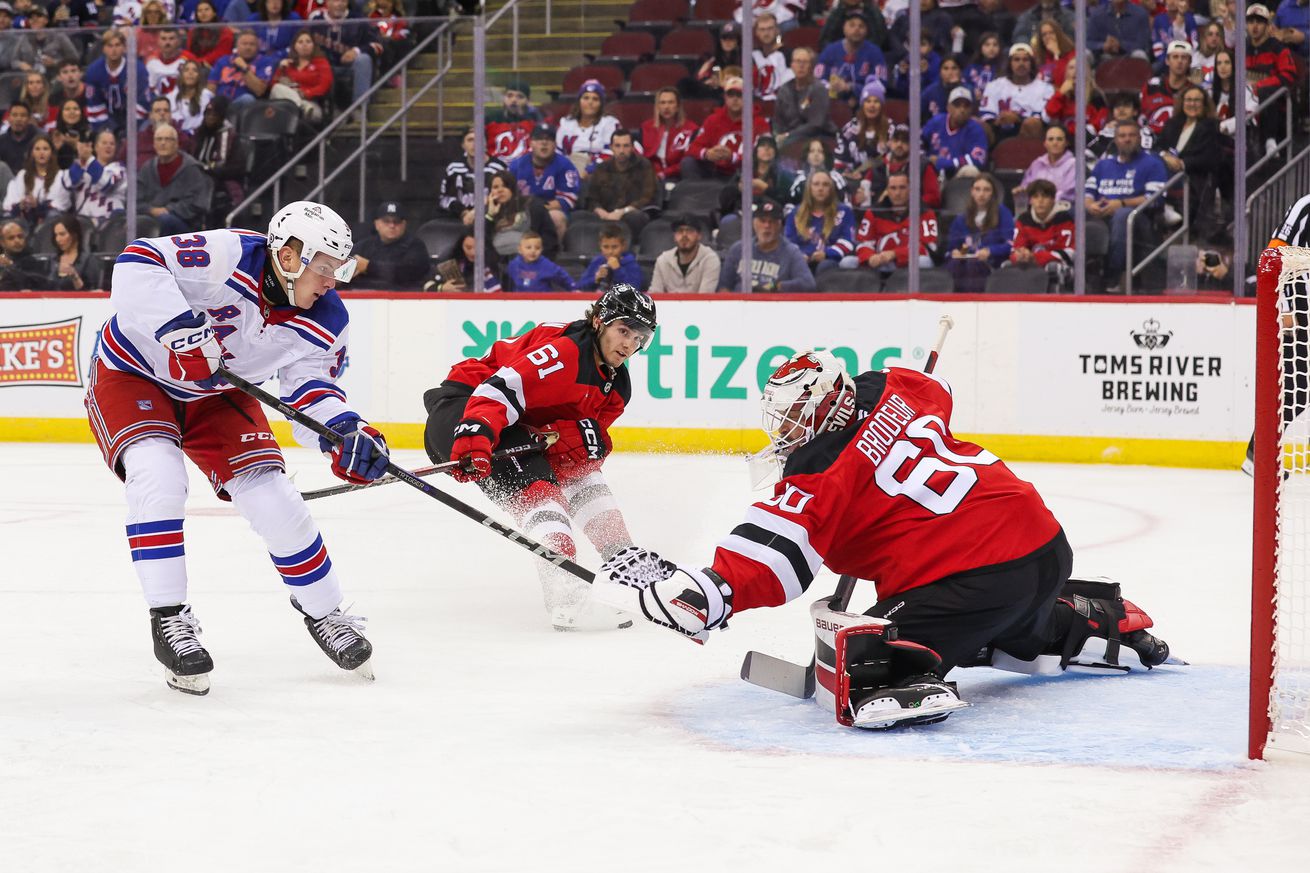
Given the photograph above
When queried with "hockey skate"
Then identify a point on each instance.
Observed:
(571, 606)
(918, 700)
(341, 638)
(177, 646)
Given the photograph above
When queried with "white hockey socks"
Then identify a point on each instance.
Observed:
(273, 507)
(156, 483)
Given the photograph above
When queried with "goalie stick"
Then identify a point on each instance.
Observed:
(797, 680)
(413, 481)
(549, 436)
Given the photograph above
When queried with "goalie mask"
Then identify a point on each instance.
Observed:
(325, 240)
(809, 395)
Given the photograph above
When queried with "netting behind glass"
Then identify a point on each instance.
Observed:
(1289, 700)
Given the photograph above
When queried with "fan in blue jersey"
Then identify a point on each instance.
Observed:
(263, 307)
(848, 64)
(1117, 185)
(546, 174)
(954, 142)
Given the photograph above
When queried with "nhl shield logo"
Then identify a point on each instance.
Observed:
(1150, 337)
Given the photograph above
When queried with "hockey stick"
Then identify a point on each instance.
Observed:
(424, 471)
(797, 680)
(413, 481)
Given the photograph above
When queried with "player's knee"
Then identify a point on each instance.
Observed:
(267, 499)
(156, 478)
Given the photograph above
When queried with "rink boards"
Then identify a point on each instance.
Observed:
(1147, 381)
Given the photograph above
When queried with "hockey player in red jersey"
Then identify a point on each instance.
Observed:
(570, 379)
(971, 567)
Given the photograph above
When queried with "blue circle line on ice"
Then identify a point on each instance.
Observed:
(1179, 718)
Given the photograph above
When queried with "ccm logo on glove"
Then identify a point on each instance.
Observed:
(194, 353)
(472, 448)
(579, 441)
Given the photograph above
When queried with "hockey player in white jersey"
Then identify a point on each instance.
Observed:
(262, 306)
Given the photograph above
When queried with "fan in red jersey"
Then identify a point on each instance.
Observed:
(570, 379)
(971, 567)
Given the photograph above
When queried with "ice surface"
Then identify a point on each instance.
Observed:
(491, 743)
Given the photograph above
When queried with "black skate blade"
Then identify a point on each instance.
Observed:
(197, 684)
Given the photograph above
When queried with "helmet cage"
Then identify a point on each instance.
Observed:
(805, 397)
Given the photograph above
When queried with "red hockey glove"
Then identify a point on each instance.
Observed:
(194, 353)
(472, 449)
(579, 441)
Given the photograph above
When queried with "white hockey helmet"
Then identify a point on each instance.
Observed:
(320, 231)
(809, 395)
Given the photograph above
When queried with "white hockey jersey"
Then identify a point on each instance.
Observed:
(218, 272)
(572, 138)
(1003, 95)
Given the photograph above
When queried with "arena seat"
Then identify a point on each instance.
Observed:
(1122, 74)
(858, 281)
(686, 45)
(650, 77)
(931, 281)
(608, 75)
(1013, 279)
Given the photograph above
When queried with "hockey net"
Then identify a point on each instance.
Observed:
(1280, 625)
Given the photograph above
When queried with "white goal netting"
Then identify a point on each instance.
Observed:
(1288, 270)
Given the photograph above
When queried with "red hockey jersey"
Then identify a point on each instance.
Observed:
(893, 498)
(546, 375)
(881, 230)
(1158, 102)
(720, 130)
(1052, 241)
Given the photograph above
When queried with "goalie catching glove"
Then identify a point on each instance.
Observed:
(362, 454)
(194, 353)
(686, 600)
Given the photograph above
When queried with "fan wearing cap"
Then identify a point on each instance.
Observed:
(584, 134)
(716, 150)
(847, 65)
(897, 160)
(1161, 92)
(571, 380)
(776, 263)
(1269, 63)
(688, 267)
(546, 174)
(510, 127)
(40, 47)
(1013, 103)
(954, 142)
(1292, 25)
(264, 306)
(1119, 28)
(727, 54)
(1175, 24)
(391, 259)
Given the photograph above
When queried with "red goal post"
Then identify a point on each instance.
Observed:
(1280, 578)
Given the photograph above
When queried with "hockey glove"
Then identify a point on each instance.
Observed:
(472, 448)
(579, 441)
(194, 353)
(686, 600)
(362, 456)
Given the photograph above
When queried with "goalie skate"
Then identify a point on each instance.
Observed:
(341, 638)
(921, 700)
(176, 636)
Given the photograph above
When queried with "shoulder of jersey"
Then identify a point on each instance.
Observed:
(323, 323)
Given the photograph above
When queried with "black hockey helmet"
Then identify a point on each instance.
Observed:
(634, 308)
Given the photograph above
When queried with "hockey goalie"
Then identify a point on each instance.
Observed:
(971, 566)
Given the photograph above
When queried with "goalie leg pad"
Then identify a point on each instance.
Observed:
(873, 679)
(1101, 625)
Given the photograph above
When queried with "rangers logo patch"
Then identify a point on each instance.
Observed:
(145, 405)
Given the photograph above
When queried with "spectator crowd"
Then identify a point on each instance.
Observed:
(635, 169)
